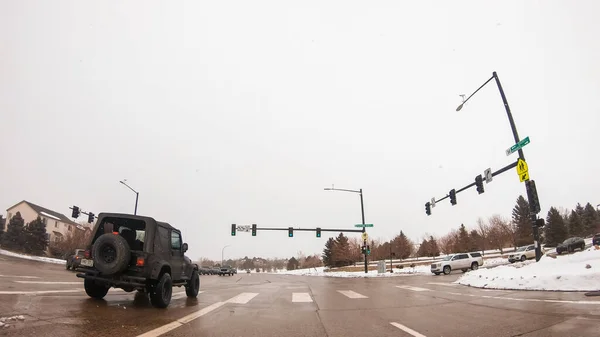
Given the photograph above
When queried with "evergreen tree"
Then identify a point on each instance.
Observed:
(434, 250)
(341, 253)
(2, 227)
(402, 246)
(463, 240)
(423, 248)
(474, 241)
(328, 252)
(292, 264)
(13, 237)
(575, 224)
(520, 217)
(589, 220)
(36, 239)
(555, 230)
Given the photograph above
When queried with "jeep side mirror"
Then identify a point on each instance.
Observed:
(184, 248)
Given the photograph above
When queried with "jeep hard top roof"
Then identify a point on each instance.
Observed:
(148, 220)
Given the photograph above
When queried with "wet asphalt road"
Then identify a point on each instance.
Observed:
(53, 303)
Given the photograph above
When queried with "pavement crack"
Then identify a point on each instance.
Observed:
(539, 329)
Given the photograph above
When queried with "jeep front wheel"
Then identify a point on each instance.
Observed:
(94, 290)
(193, 285)
(161, 294)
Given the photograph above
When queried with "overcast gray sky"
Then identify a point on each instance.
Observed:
(243, 111)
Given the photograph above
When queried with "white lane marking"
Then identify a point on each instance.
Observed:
(413, 288)
(444, 284)
(39, 292)
(182, 294)
(47, 282)
(407, 329)
(351, 294)
(301, 297)
(242, 298)
(19, 276)
(186, 319)
(525, 299)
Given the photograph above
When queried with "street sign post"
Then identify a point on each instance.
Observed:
(522, 170)
(488, 175)
(517, 146)
(244, 228)
(364, 225)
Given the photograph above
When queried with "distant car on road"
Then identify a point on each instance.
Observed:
(522, 254)
(226, 270)
(74, 261)
(205, 271)
(133, 252)
(570, 244)
(461, 261)
(596, 240)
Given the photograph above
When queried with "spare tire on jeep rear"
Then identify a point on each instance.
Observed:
(111, 254)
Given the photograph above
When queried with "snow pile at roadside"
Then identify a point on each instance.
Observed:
(564, 273)
(494, 262)
(320, 271)
(31, 257)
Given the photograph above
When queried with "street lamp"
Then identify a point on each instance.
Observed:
(136, 195)
(223, 252)
(536, 234)
(362, 211)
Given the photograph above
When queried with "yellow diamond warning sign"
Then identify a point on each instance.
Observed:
(522, 170)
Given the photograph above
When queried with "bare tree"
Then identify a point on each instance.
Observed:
(75, 239)
(500, 232)
(448, 242)
(483, 229)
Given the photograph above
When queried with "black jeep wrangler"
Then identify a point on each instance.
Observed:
(134, 252)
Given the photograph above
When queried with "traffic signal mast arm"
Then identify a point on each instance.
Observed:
(309, 229)
(502, 170)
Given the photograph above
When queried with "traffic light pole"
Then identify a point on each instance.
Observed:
(362, 212)
(533, 216)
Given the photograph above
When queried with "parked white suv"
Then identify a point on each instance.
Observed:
(522, 254)
(461, 261)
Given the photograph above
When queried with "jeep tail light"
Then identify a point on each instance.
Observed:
(139, 262)
(87, 254)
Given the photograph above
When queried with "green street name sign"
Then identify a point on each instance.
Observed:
(365, 225)
(517, 146)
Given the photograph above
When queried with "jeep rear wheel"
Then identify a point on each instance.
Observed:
(193, 285)
(160, 296)
(111, 254)
(94, 290)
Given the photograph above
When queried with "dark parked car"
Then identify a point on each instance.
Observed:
(205, 271)
(73, 261)
(134, 252)
(226, 270)
(596, 240)
(570, 244)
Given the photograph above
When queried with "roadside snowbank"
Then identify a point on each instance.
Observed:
(564, 273)
(31, 257)
(320, 271)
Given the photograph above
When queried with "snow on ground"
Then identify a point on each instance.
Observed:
(31, 257)
(320, 271)
(494, 262)
(564, 273)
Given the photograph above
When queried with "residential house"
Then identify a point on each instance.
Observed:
(57, 224)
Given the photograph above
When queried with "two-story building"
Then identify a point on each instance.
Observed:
(57, 224)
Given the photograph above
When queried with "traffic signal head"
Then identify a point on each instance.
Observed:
(532, 195)
(428, 208)
(291, 232)
(232, 229)
(318, 232)
(90, 217)
(479, 184)
(253, 229)
(368, 249)
(75, 213)
(539, 222)
(363, 249)
(452, 197)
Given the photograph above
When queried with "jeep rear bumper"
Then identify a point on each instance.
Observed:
(121, 281)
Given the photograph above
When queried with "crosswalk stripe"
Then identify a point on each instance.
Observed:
(443, 284)
(351, 294)
(47, 282)
(242, 298)
(413, 288)
(181, 295)
(301, 297)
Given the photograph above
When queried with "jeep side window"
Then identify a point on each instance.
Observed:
(175, 240)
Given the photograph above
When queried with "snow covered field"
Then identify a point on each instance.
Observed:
(564, 273)
(31, 257)
(372, 273)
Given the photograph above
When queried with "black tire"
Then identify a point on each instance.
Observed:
(160, 297)
(523, 258)
(193, 285)
(437, 274)
(94, 290)
(447, 270)
(474, 266)
(68, 267)
(111, 254)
